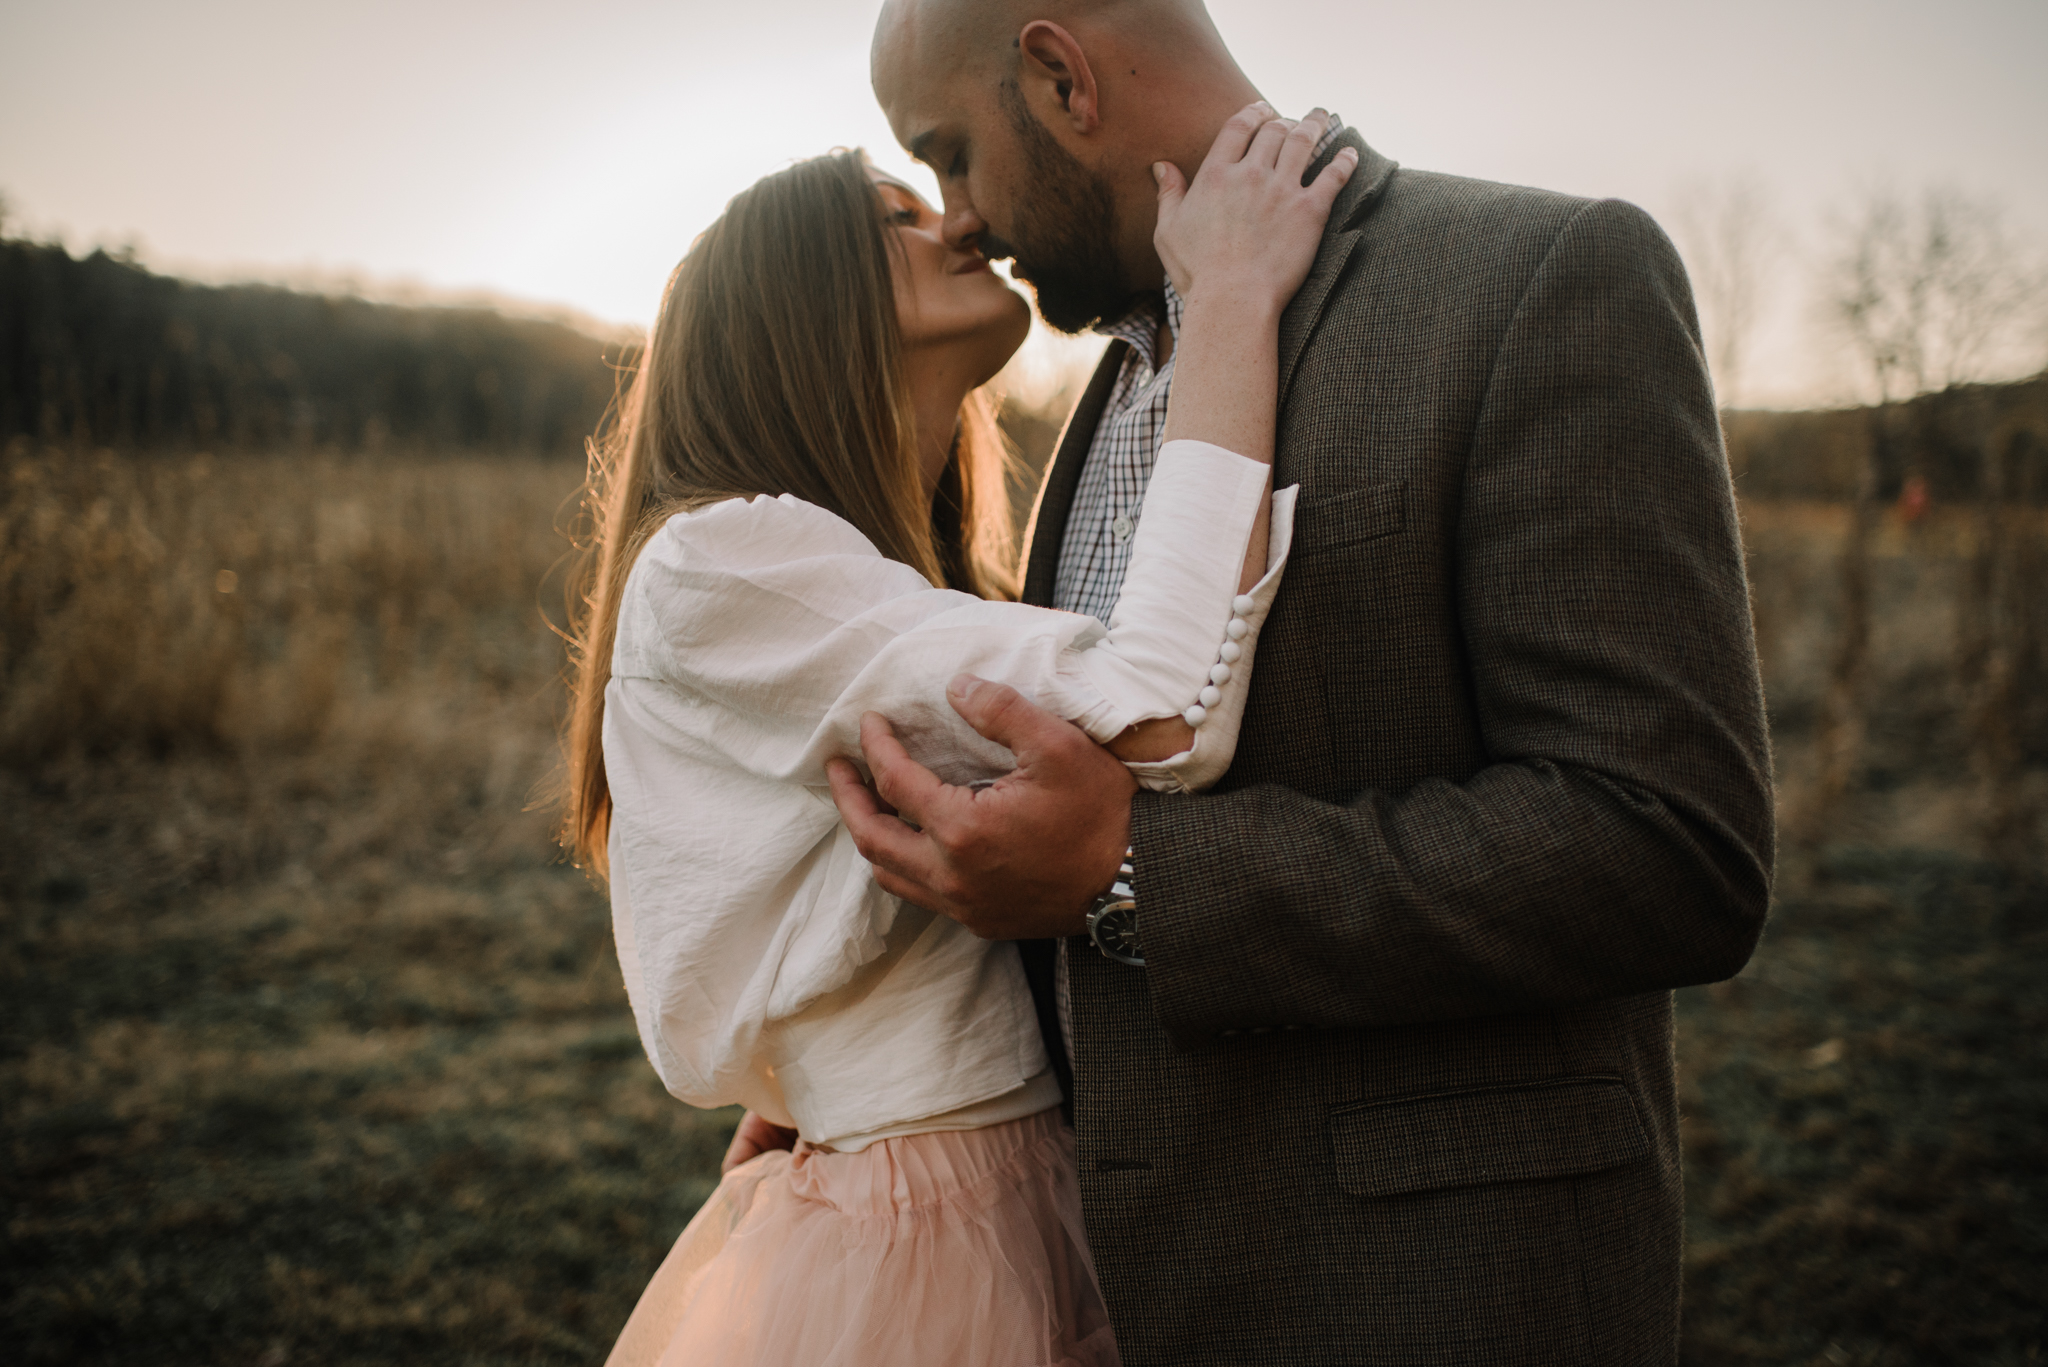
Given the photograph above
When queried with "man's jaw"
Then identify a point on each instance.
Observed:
(1076, 305)
(997, 249)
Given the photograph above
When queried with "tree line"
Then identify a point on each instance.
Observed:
(99, 350)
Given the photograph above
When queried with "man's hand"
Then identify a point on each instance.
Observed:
(753, 1138)
(1019, 860)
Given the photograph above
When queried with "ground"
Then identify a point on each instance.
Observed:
(313, 1051)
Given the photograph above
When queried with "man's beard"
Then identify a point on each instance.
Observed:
(1064, 243)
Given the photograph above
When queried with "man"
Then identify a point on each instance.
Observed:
(1393, 1081)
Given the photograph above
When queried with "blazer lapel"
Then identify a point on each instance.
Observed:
(1042, 544)
(1347, 217)
(1062, 477)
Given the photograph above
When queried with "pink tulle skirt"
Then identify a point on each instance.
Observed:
(952, 1249)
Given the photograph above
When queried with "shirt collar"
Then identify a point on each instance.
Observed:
(1140, 326)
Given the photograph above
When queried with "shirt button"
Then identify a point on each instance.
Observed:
(1123, 527)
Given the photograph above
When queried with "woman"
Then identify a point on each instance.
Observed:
(800, 518)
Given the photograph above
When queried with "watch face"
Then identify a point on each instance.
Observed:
(1116, 933)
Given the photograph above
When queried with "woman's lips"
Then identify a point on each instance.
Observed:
(971, 265)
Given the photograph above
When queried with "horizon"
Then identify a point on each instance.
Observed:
(454, 152)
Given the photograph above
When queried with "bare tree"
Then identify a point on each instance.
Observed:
(1728, 231)
(1931, 294)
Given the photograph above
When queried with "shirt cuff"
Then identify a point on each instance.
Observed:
(1200, 508)
(1215, 745)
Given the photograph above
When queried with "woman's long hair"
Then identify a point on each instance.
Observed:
(774, 367)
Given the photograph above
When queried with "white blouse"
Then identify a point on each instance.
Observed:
(764, 965)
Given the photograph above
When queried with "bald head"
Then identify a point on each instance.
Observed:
(1050, 106)
(982, 34)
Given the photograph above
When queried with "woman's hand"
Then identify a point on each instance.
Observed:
(1246, 232)
(753, 1138)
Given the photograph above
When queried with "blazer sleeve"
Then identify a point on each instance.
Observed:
(1620, 839)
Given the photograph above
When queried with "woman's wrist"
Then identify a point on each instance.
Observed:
(1235, 305)
(1226, 365)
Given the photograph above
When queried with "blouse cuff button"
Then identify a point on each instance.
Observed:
(1195, 715)
(1237, 630)
(1219, 674)
(1243, 604)
(1231, 650)
(1211, 696)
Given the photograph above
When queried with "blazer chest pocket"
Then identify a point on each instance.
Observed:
(1565, 1128)
(1352, 518)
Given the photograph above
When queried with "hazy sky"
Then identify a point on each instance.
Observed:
(568, 152)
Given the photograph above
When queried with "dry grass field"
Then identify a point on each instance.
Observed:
(311, 1051)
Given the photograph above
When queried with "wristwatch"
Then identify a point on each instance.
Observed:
(1113, 920)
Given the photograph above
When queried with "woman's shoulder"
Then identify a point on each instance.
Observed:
(734, 567)
(762, 530)
(742, 540)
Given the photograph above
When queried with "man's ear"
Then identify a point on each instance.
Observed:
(1053, 62)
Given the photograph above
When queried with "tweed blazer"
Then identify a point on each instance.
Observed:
(1396, 1084)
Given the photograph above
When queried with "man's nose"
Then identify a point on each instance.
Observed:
(962, 227)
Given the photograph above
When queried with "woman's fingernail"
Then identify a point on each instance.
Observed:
(1158, 176)
(962, 686)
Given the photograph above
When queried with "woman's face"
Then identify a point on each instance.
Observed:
(948, 298)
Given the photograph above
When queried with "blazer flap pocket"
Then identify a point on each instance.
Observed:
(1498, 1134)
(1346, 519)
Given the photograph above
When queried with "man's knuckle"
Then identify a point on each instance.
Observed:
(967, 846)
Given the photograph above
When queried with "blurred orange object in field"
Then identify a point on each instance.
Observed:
(1912, 499)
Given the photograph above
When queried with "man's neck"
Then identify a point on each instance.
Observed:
(1162, 347)
(1183, 119)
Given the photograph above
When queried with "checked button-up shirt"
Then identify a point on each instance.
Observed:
(1111, 494)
